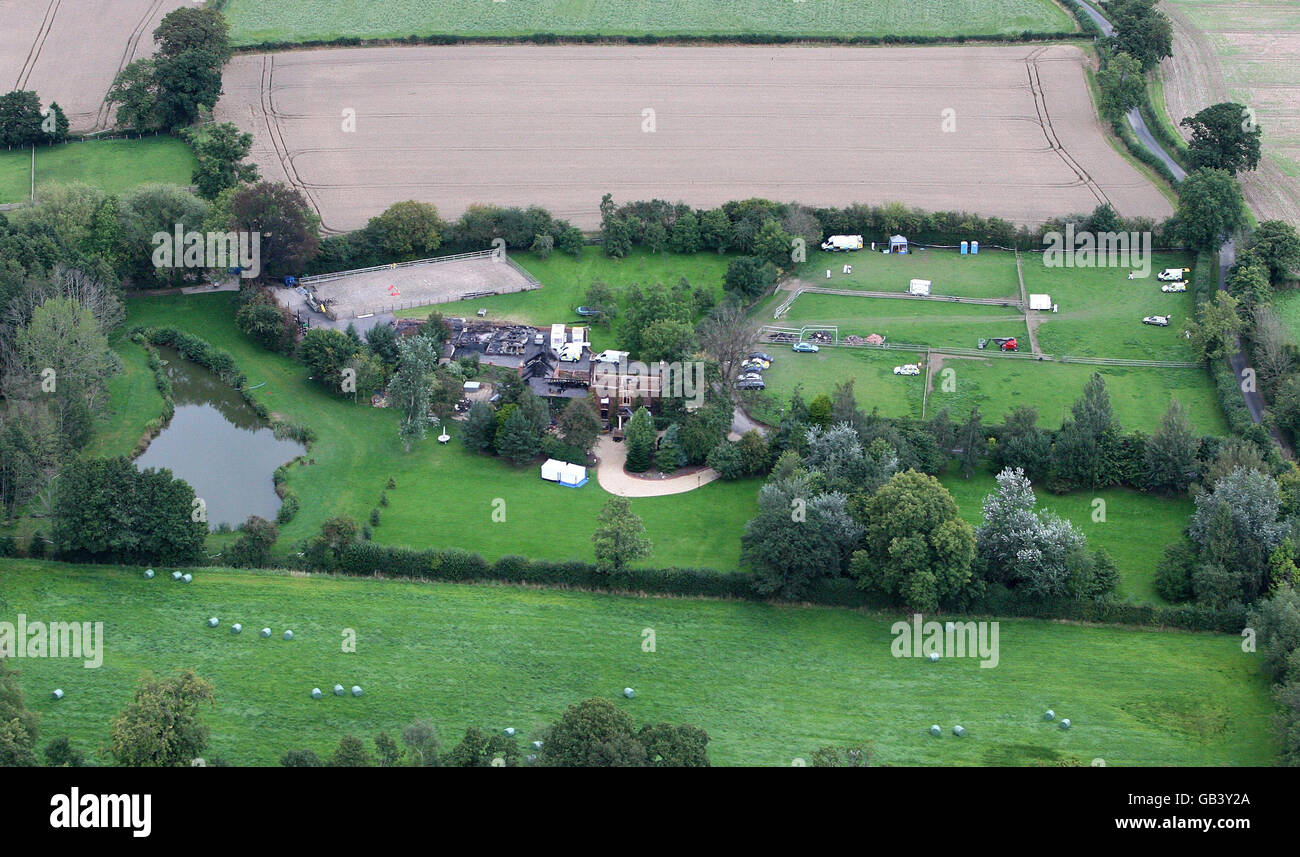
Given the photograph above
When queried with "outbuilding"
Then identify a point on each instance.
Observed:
(1040, 302)
(897, 244)
(570, 475)
(919, 287)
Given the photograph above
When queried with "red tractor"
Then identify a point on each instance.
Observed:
(1004, 343)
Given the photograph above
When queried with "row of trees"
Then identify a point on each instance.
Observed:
(23, 123)
(181, 82)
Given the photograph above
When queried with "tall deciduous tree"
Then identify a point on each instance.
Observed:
(161, 727)
(1122, 84)
(220, 150)
(1210, 207)
(411, 384)
(290, 228)
(620, 537)
(916, 548)
(1213, 332)
(1224, 137)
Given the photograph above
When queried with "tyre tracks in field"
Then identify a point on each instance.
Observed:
(47, 24)
(128, 56)
(276, 135)
(1045, 122)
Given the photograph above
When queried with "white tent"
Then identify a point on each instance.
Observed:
(918, 287)
(552, 469)
(1040, 301)
(573, 475)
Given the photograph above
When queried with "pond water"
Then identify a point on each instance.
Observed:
(217, 443)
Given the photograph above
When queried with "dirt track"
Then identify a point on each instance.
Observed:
(69, 51)
(559, 126)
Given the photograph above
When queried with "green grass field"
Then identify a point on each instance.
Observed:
(997, 385)
(1139, 396)
(300, 20)
(111, 165)
(565, 281)
(769, 684)
(1135, 529)
(1287, 306)
(988, 274)
(1101, 311)
(445, 495)
(912, 322)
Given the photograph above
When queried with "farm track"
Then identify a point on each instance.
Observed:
(128, 56)
(276, 135)
(47, 23)
(1045, 120)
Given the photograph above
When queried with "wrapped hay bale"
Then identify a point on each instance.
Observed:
(288, 635)
(213, 622)
(338, 690)
(186, 578)
(958, 731)
(236, 628)
(176, 575)
(315, 693)
(1065, 724)
(629, 692)
(356, 690)
(933, 657)
(148, 574)
(935, 730)
(58, 693)
(510, 730)
(266, 632)
(1049, 714)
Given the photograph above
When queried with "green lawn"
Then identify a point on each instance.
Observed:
(1133, 527)
(911, 322)
(1139, 396)
(1287, 306)
(874, 382)
(299, 20)
(133, 400)
(112, 165)
(988, 274)
(445, 495)
(565, 281)
(769, 684)
(1101, 311)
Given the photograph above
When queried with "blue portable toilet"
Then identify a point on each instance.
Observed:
(965, 247)
(974, 247)
(291, 281)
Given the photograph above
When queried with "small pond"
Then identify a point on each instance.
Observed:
(217, 443)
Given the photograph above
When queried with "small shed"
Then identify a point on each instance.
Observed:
(552, 469)
(573, 475)
(1040, 302)
(918, 287)
(897, 244)
(472, 386)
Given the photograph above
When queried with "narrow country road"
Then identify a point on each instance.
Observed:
(1135, 120)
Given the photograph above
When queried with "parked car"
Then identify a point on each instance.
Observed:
(756, 365)
(1174, 287)
(749, 376)
(805, 348)
(1172, 275)
(761, 355)
(907, 369)
(1157, 320)
(751, 385)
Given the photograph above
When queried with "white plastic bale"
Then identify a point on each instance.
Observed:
(356, 690)
(934, 657)
(510, 730)
(338, 690)
(266, 632)
(315, 693)
(537, 745)
(629, 692)
(187, 578)
(288, 635)
(213, 622)
(58, 693)
(1065, 724)
(935, 730)
(958, 731)
(148, 575)
(1049, 714)
(236, 628)
(176, 575)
